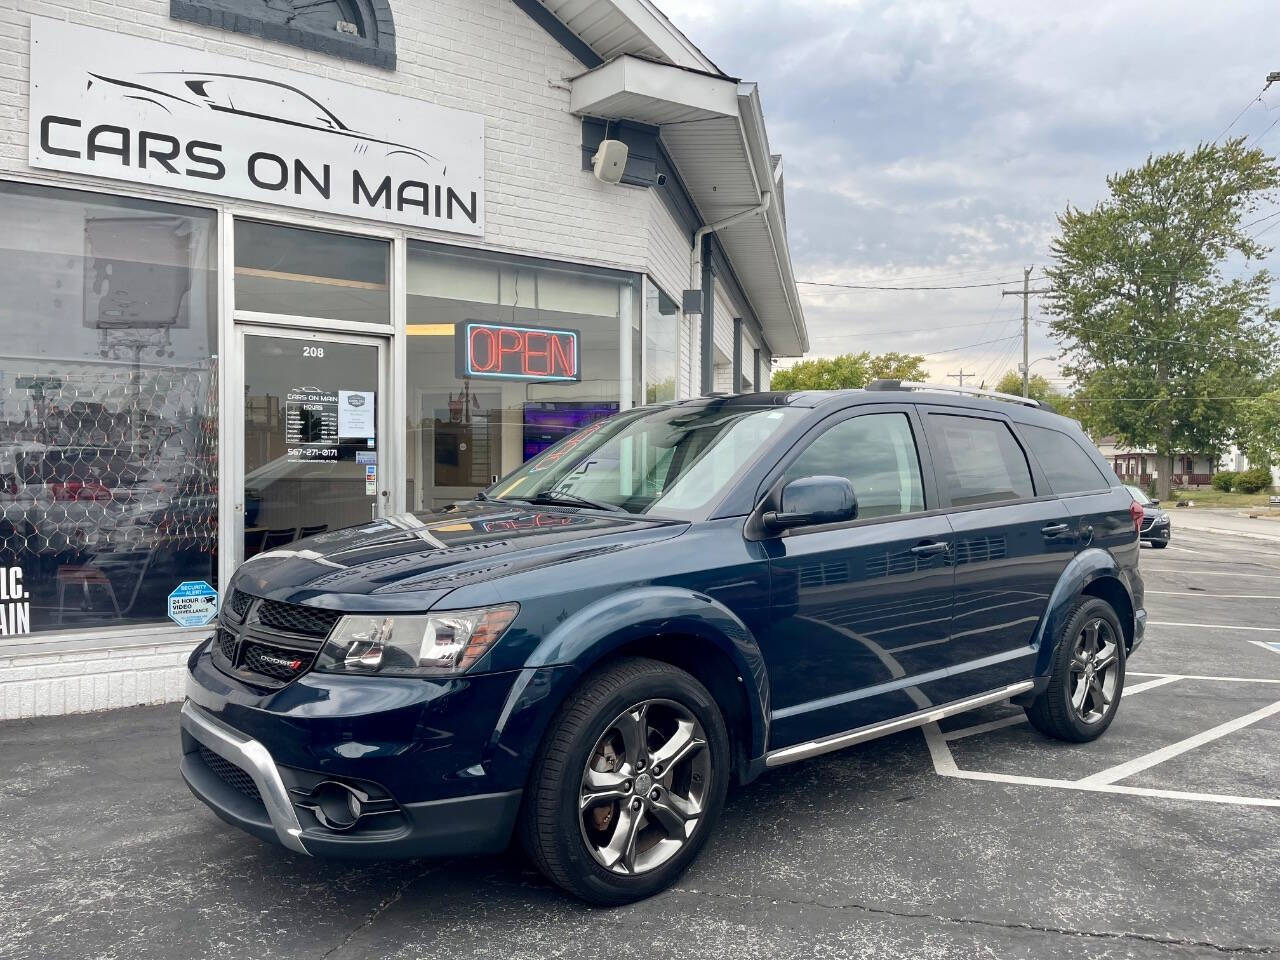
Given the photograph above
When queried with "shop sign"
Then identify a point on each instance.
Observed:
(311, 424)
(193, 604)
(109, 105)
(516, 353)
(15, 603)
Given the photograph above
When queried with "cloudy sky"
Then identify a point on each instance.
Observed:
(932, 142)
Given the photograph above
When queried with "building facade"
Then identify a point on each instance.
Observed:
(1142, 467)
(271, 270)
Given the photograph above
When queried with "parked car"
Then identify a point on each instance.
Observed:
(1156, 524)
(588, 654)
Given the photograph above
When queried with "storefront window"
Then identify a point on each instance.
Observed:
(108, 408)
(310, 273)
(504, 359)
(661, 314)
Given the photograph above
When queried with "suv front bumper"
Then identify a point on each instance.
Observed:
(462, 825)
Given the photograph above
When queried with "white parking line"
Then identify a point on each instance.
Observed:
(1138, 764)
(1209, 573)
(1213, 596)
(1209, 626)
(1200, 676)
(977, 728)
(944, 763)
(1267, 645)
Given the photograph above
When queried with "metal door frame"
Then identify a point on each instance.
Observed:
(233, 462)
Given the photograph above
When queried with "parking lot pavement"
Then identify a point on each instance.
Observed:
(978, 838)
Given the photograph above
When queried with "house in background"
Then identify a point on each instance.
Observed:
(1140, 466)
(1235, 460)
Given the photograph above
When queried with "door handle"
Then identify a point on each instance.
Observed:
(1055, 529)
(930, 549)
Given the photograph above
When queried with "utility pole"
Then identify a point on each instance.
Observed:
(1025, 293)
(961, 376)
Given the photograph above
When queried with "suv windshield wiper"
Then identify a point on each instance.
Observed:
(567, 498)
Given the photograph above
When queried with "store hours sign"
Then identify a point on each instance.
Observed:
(110, 105)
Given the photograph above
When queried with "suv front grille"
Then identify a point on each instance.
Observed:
(269, 643)
(290, 617)
(230, 774)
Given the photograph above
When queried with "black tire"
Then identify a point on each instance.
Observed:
(551, 827)
(1053, 712)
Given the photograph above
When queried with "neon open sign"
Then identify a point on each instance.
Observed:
(516, 353)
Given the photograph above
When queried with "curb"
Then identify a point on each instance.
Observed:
(1226, 532)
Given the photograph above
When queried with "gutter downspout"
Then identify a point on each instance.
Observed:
(696, 281)
(695, 255)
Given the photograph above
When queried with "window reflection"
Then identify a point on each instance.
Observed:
(109, 429)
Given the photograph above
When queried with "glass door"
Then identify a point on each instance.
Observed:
(314, 410)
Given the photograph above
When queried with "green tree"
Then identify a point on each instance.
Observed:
(1038, 388)
(1259, 436)
(848, 370)
(1149, 326)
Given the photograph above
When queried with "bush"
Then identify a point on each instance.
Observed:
(1223, 481)
(1251, 481)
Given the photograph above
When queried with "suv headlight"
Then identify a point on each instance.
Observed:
(436, 644)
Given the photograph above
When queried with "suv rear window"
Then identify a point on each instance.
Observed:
(1066, 466)
(978, 461)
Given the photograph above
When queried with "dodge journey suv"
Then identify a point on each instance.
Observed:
(668, 601)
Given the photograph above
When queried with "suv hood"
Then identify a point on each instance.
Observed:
(414, 559)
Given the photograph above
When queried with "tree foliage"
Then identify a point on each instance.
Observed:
(1260, 428)
(1038, 388)
(1149, 325)
(848, 370)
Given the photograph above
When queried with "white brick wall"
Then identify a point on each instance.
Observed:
(76, 681)
(667, 261)
(484, 56)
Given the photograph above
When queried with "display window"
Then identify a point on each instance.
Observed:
(504, 358)
(108, 409)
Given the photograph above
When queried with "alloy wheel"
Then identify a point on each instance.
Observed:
(644, 787)
(1095, 670)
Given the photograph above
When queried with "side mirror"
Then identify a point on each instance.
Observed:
(809, 501)
(1155, 503)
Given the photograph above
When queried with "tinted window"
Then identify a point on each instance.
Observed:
(878, 455)
(979, 461)
(1068, 468)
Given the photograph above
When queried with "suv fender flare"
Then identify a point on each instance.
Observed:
(1087, 566)
(609, 624)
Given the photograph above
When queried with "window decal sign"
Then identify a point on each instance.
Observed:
(15, 603)
(311, 424)
(193, 604)
(508, 352)
(356, 414)
(109, 105)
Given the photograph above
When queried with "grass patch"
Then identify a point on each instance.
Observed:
(1216, 498)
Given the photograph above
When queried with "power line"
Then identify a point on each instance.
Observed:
(969, 346)
(1252, 101)
(1258, 139)
(894, 333)
(961, 377)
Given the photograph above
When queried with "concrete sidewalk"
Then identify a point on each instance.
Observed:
(1228, 522)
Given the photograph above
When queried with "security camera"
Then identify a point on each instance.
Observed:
(662, 179)
(610, 161)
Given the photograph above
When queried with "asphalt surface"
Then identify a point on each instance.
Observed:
(974, 840)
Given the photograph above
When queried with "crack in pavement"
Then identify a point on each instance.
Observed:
(376, 912)
(999, 924)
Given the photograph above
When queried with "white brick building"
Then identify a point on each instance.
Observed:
(269, 271)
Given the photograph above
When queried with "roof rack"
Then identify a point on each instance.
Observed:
(947, 388)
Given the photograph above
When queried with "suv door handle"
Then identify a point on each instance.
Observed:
(931, 548)
(1055, 529)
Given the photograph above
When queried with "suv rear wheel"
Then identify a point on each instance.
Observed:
(628, 783)
(1087, 676)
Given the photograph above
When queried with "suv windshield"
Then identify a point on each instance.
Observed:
(668, 459)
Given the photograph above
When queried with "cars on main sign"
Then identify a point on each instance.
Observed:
(667, 601)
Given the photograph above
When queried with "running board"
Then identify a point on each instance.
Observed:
(838, 741)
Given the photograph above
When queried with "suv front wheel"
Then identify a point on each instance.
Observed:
(628, 783)
(1087, 677)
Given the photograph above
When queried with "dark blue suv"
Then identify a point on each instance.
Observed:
(670, 600)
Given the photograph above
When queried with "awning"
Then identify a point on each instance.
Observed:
(714, 130)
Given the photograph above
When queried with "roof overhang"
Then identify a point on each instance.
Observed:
(616, 27)
(713, 128)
